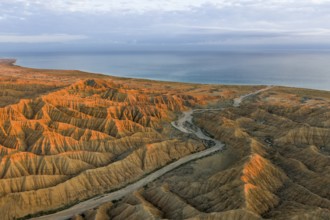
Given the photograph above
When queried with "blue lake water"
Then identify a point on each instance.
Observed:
(299, 69)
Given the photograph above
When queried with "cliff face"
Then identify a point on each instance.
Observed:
(66, 136)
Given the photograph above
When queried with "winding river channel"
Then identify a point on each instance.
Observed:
(185, 125)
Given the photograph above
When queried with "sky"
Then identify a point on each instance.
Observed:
(163, 24)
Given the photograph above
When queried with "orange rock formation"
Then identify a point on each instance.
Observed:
(66, 136)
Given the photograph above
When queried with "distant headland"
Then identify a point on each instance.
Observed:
(8, 61)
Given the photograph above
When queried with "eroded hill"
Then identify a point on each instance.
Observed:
(66, 136)
(276, 166)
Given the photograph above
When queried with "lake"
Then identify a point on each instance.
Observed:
(305, 69)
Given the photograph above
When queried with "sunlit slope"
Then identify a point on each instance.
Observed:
(67, 136)
(276, 166)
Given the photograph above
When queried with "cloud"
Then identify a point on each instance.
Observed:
(118, 5)
(209, 35)
(166, 22)
(44, 38)
(140, 6)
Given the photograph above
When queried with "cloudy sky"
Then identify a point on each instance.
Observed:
(56, 24)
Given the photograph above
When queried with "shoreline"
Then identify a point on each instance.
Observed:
(13, 62)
